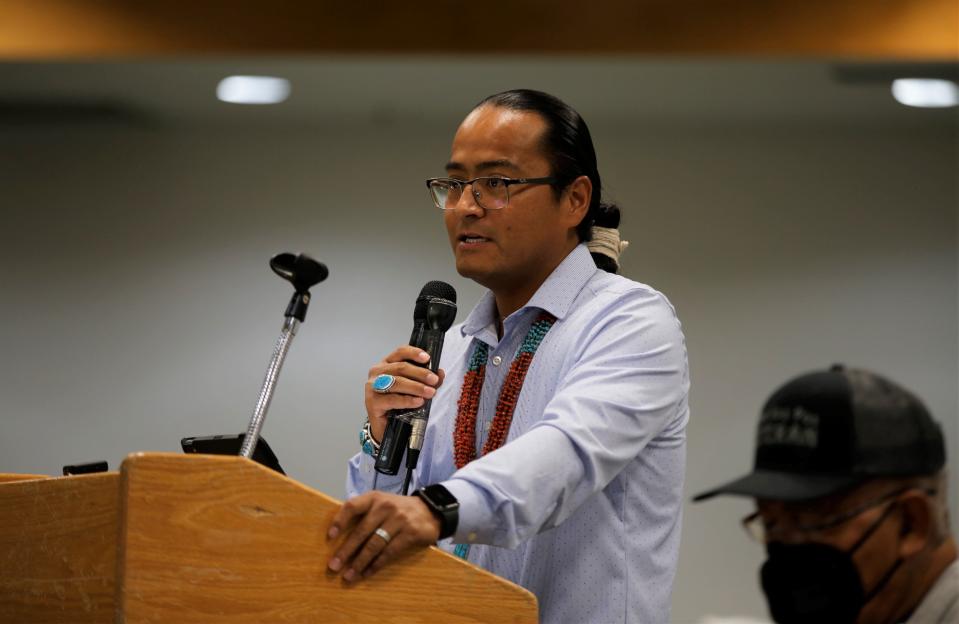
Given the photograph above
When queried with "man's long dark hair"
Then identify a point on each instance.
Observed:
(568, 146)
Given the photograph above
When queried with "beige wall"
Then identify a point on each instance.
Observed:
(137, 306)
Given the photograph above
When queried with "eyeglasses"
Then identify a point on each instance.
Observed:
(490, 193)
(759, 531)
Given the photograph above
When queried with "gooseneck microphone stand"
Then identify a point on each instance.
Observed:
(303, 272)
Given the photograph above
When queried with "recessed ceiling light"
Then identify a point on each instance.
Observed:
(253, 89)
(925, 92)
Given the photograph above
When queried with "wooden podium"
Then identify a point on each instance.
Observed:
(206, 538)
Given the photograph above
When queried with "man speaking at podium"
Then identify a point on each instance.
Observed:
(555, 450)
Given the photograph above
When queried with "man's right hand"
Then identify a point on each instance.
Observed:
(414, 384)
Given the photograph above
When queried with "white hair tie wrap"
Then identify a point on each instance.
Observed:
(606, 241)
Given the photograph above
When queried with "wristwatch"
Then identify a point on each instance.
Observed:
(443, 505)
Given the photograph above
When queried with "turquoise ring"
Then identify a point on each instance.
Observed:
(383, 383)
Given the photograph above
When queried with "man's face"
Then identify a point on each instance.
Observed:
(789, 523)
(513, 249)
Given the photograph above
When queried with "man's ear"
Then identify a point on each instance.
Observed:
(577, 197)
(917, 523)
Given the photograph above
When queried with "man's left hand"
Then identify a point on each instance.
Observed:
(406, 520)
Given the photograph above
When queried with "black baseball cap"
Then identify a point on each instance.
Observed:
(827, 431)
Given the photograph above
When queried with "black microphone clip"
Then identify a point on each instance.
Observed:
(304, 273)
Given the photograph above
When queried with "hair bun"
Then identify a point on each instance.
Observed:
(607, 216)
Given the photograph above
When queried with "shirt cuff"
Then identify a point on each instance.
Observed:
(362, 477)
(476, 521)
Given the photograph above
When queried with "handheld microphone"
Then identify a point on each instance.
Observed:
(433, 315)
(440, 314)
(398, 426)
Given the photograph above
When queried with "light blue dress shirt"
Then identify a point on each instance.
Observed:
(582, 505)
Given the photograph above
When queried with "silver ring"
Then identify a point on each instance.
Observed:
(382, 533)
(383, 383)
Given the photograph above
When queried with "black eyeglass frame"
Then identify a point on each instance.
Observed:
(507, 182)
(837, 519)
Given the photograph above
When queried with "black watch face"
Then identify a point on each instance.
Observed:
(440, 495)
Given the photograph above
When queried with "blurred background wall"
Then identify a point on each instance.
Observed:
(791, 210)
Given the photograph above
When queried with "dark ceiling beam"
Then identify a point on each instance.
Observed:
(855, 29)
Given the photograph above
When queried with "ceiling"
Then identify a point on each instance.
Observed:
(118, 29)
(345, 90)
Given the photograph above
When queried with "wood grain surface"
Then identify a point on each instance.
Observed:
(7, 477)
(223, 539)
(58, 548)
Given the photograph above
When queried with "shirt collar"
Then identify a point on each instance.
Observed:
(555, 295)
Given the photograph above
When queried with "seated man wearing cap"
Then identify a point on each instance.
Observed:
(849, 483)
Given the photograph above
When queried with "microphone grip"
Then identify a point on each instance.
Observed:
(396, 437)
(395, 440)
(401, 425)
(432, 343)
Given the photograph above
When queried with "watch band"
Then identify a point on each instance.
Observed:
(443, 505)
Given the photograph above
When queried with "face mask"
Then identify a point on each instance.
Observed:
(812, 582)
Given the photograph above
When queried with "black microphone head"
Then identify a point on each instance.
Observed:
(300, 270)
(438, 290)
(440, 298)
(419, 310)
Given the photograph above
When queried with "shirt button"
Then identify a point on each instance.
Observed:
(471, 537)
(497, 360)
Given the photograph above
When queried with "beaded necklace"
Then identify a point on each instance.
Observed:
(464, 435)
